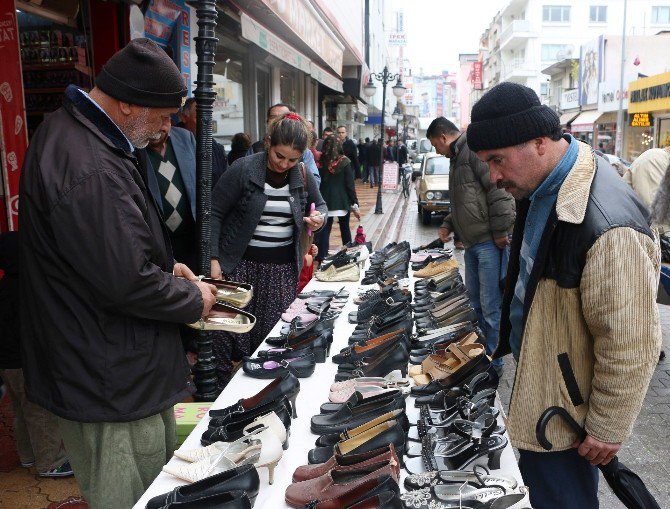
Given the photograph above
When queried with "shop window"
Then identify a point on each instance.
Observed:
(288, 87)
(553, 52)
(53, 56)
(660, 15)
(598, 14)
(606, 137)
(664, 133)
(556, 13)
(228, 108)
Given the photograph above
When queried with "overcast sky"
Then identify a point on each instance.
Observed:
(438, 30)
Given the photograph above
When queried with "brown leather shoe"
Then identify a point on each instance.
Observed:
(307, 472)
(384, 494)
(338, 482)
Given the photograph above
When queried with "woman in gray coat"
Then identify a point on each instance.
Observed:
(260, 207)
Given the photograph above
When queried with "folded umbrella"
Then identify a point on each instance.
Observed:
(625, 483)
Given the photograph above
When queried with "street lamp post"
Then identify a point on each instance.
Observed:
(385, 77)
(204, 372)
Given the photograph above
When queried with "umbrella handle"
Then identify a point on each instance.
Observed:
(540, 428)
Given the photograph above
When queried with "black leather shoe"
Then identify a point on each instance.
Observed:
(318, 345)
(298, 331)
(482, 364)
(233, 427)
(403, 321)
(386, 361)
(370, 347)
(244, 478)
(379, 306)
(358, 398)
(352, 415)
(446, 397)
(302, 367)
(331, 439)
(230, 500)
(285, 386)
(377, 437)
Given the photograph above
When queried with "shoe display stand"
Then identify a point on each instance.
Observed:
(314, 392)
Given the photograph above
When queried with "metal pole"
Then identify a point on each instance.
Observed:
(618, 142)
(384, 81)
(204, 371)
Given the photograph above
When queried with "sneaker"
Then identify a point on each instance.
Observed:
(28, 464)
(435, 268)
(349, 272)
(65, 470)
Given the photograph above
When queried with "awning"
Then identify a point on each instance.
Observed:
(261, 36)
(568, 117)
(584, 122)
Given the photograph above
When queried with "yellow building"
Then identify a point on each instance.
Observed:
(648, 114)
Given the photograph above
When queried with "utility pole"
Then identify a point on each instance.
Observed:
(618, 142)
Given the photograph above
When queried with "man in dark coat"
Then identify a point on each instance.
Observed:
(374, 155)
(100, 302)
(350, 150)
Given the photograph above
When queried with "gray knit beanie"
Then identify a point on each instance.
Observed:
(507, 115)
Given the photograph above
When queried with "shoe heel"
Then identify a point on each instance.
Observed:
(292, 399)
(494, 459)
(288, 434)
(271, 471)
(320, 354)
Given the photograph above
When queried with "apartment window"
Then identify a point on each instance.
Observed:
(598, 14)
(544, 89)
(554, 52)
(556, 13)
(660, 15)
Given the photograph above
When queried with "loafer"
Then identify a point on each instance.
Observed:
(301, 367)
(244, 478)
(379, 436)
(306, 472)
(390, 359)
(285, 386)
(380, 493)
(351, 272)
(230, 428)
(337, 482)
(333, 438)
(357, 399)
(370, 347)
(230, 500)
(354, 414)
(224, 317)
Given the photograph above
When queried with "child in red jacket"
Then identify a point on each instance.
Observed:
(307, 267)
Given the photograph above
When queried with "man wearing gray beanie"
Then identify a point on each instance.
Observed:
(579, 310)
(100, 303)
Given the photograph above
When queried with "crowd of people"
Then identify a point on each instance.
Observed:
(561, 266)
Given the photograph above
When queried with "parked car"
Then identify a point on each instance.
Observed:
(432, 191)
(416, 166)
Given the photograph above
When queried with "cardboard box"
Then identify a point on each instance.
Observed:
(187, 416)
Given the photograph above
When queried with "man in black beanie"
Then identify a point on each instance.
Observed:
(100, 303)
(579, 309)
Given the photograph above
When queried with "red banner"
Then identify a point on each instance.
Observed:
(12, 116)
(477, 80)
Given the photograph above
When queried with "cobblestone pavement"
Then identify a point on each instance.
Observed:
(647, 451)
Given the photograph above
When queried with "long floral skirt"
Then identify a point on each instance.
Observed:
(275, 287)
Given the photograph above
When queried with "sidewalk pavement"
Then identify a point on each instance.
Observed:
(647, 450)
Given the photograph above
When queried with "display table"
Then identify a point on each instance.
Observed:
(313, 393)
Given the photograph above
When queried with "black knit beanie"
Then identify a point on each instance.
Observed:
(143, 74)
(507, 115)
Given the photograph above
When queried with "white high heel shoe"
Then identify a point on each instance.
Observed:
(262, 448)
(251, 430)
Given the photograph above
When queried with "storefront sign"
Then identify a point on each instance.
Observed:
(326, 78)
(12, 117)
(477, 75)
(397, 39)
(300, 17)
(261, 36)
(640, 120)
(650, 94)
(166, 22)
(390, 176)
(569, 99)
(609, 95)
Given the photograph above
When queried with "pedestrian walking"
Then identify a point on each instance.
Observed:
(365, 175)
(482, 216)
(374, 155)
(350, 149)
(239, 146)
(100, 302)
(339, 192)
(259, 210)
(579, 312)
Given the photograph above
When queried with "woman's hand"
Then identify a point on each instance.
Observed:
(215, 269)
(314, 221)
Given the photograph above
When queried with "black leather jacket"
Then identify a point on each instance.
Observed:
(99, 303)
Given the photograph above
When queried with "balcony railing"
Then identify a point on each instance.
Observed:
(514, 29)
